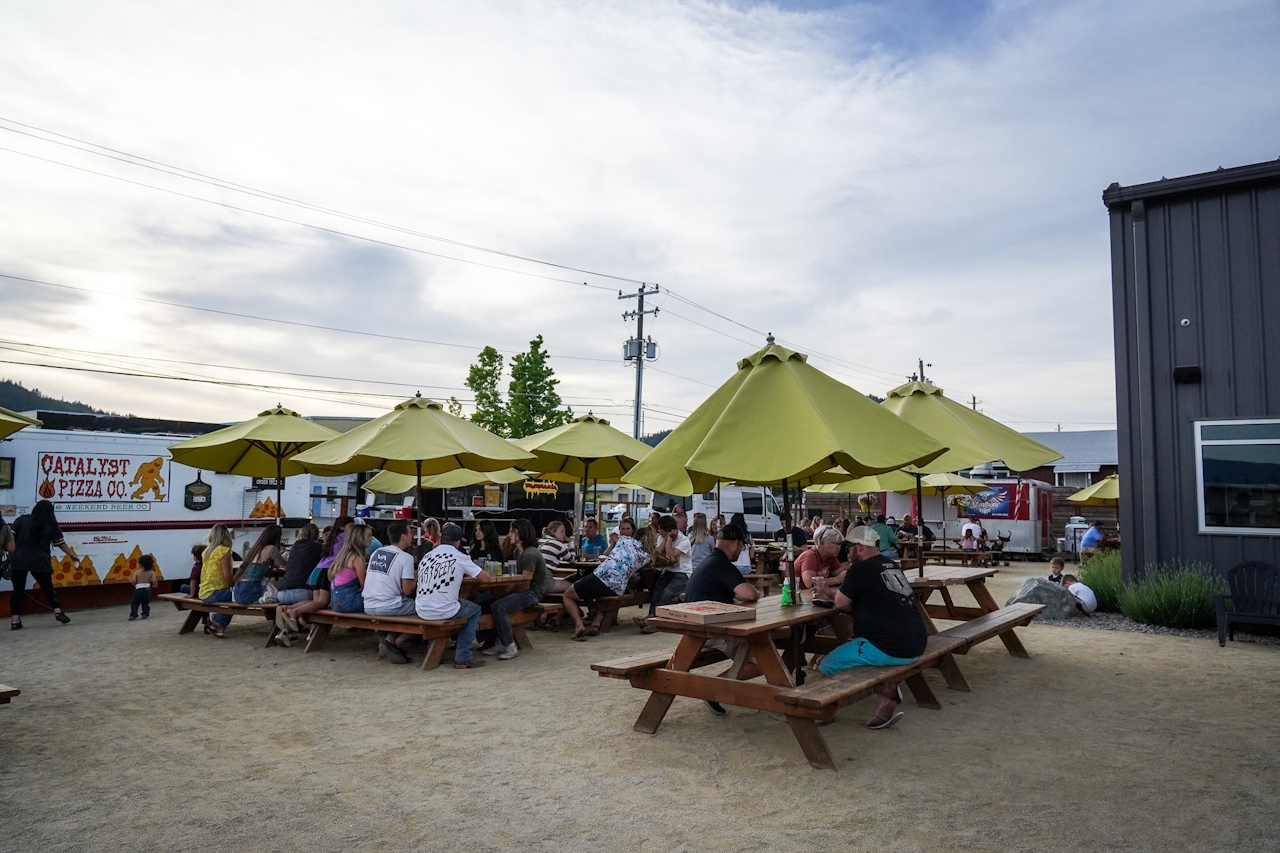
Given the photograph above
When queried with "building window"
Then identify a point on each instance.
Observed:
(1075, 479)
(1238, 476)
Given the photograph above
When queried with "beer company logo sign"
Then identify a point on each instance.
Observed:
(82, 478)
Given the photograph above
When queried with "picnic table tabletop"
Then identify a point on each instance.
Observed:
(505, 584)
(770, 616)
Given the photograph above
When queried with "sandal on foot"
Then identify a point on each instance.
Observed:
(879, 722)
(580, 636)
(593, 630)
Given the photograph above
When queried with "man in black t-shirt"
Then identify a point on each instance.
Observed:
(887, 628)
(716, 578)
(798, 537)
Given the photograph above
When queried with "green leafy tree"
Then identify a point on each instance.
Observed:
(532, 402)
(455, 407)
(482, 379)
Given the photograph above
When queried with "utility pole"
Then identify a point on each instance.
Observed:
(922, 367)
(975, 401)
(638, 349)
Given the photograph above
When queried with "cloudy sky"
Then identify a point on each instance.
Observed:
(871, 182)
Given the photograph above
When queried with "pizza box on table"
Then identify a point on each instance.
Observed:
(706, 612)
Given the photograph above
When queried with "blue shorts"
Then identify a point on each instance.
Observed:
(858, 653)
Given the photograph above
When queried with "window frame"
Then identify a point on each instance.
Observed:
(1200, 443)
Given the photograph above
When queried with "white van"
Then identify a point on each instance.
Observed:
(756, 503)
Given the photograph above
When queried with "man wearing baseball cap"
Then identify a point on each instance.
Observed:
(887, 628)
(440, 575)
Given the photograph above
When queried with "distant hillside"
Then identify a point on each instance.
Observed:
(15, 397)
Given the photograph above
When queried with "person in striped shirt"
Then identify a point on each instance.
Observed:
(555, 545)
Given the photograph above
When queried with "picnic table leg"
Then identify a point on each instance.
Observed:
(951, 672)
(950, 605)
(922, 692)
(988, 604)
(922, 596)
(193, 618)
(739, 661)
(435, 652)
(271, 635)
(658, 704)
(521, 637)
(315, 640)
(806, 731)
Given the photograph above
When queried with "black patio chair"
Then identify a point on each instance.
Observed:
(1254, 598)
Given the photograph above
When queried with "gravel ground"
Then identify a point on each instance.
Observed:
(1120, 622)
(130, 737)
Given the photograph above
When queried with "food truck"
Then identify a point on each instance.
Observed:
(118, 495)
(1015, 509)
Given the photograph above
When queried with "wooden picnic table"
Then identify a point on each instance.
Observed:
(499, 586)
(757, 637)
(939, 578)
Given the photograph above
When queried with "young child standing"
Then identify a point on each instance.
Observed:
(1056, 565)
(143, 580)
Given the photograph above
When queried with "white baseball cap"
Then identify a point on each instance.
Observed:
(863, 536)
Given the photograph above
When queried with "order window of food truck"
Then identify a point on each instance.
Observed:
(663, 502)
(1238, 476)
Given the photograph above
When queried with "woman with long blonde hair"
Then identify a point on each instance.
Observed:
(347, 572)
(216, 575)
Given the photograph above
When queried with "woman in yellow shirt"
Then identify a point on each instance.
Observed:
(216, 575)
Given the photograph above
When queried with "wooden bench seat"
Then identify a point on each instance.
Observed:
(624, 668)
(7, 693)
(998, 623)
(609, 605)
(197, 606)
(860, 682)
(436, 633)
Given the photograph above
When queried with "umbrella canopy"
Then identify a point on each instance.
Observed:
(780, 419)
(940, 484)
(416, 437)
(1105, 492)
(971, 437)
(392, 483)
(893, 481)
(587, 448)
(11, 422)
(261, 447)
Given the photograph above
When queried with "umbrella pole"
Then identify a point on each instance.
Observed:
(417, 488)
(279, 486)
(797, 656)
(920, 519)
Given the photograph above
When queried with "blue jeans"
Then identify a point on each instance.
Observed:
(405, 607)
(294, 596)
(247, 592)
(502, 610)
(347, 598)
(222, 620)
(470, 611)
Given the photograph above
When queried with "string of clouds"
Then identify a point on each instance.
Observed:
(876, 182)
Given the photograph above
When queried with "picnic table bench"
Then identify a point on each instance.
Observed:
(197, 606)
(609, 605)
(435, 632)
(7, 693)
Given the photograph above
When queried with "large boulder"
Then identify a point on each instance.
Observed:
(1058, 603)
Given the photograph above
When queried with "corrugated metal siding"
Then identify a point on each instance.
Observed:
(1212, 256)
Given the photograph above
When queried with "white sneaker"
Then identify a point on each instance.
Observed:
(492, 650)
(509, 652)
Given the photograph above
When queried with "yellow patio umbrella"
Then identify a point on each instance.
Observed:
(416, 437)
(261, 447)
(780, 421)
(893, 481)
(392, 483)
(11, 422)
(1105, 492)
(971, 437)
(587, 448)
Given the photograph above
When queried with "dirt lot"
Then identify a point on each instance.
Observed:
(129, 737)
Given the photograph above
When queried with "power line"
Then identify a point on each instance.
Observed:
(334, 231)
(178, 171)
(266, 319)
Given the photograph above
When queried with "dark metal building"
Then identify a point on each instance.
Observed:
(1195, 269)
